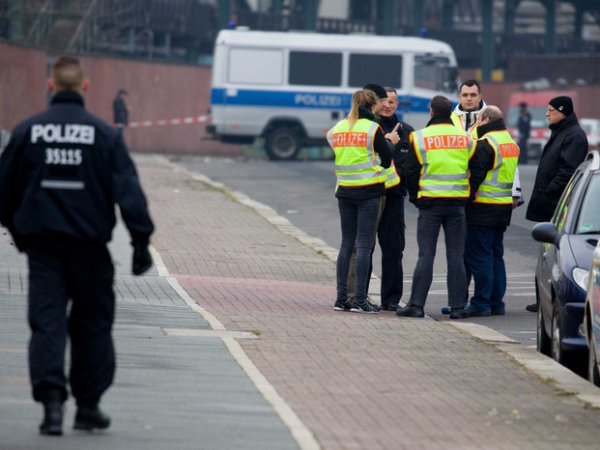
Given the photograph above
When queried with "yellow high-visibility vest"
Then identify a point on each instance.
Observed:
(496, 189)
(356, 163)
(392, 177)
(444, 151)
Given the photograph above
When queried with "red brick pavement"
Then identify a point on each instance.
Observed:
(357, 381)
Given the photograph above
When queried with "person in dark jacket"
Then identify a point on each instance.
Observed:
(437, 180)
(563, 152)
(524, 127)
(391, 230)
(120, 110)
(489, 211)
(357, 141)
(61, 175)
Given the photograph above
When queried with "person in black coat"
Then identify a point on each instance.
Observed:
(563, 152)
(61, 175)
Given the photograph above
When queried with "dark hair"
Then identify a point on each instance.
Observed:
(470, 83)
(390, 89)
(440, 106)
(376, 89)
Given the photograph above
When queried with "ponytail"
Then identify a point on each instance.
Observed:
(365, 98)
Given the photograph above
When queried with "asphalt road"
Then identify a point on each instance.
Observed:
(302, 191)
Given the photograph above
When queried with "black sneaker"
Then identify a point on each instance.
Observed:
(53, 418)
(90, 418)
(389, 307)
(365, 307)
(410, 311)
(341, 305)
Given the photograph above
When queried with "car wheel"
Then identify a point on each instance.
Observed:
(282, 144)
(593, 373)
(544, 343)
(557, 353)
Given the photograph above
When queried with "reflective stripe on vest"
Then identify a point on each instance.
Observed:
(356, 163)
(444, 152)
(392, 177)
(496, 189)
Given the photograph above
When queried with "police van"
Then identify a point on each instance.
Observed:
(290, 88)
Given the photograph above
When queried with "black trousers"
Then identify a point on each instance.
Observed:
(81, 272)
(391, 235)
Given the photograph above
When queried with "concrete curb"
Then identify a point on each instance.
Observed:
(545, 368)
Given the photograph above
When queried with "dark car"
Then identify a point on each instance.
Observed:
(592, 319)
(562, 271)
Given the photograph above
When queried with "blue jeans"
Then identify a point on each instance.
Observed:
(358, 219)
(484, 257)
(452, 219)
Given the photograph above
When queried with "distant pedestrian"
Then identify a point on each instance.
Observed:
(391, 230)
(120, 110)
(524, 127)
(357, 141)
(492, 170)
(437, 179)
(563, 152)
(61, 175)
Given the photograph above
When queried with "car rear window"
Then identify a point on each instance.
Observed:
(589, 215)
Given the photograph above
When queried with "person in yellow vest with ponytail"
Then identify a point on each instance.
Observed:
(493, 168)
(362, 156)
(437, 179)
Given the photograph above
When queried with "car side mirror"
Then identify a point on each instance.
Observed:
(546, 232)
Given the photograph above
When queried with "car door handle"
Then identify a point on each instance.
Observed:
(335, 115)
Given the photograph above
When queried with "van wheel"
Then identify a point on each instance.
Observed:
(283, 144)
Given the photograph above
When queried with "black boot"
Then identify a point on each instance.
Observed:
(410, 311)
(53, 418)
(90, 418)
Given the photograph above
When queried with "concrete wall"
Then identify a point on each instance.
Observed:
(156, 91)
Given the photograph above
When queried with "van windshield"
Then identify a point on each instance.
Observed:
(538, 116)
(435, 73)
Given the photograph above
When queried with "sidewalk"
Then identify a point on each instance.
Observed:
(348, 381)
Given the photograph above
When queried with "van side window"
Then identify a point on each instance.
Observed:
(255, 66)
(385, 70)
(435, 73)
(315, 69)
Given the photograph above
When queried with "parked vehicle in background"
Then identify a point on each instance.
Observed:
(290, 88)
(592, 318)
(591, 127)
(561, 276)
(537, 104)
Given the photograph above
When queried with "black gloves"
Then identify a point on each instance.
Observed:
(142, 260)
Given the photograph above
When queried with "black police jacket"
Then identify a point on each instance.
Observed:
(563, 152)
(61, 175)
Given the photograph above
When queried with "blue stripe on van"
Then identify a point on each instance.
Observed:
(313, 100)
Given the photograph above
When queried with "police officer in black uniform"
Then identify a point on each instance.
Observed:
(60, 177)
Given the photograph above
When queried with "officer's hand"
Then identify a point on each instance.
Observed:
(142, 261)
(393, 135)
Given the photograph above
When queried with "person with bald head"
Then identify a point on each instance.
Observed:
(489, 211)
